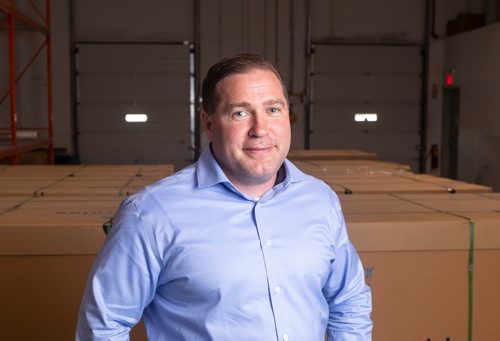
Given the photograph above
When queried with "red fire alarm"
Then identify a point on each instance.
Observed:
(449, 77)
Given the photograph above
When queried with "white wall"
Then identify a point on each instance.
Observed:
(475, 56)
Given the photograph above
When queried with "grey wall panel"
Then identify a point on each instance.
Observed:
(375, 20)
(475, 57)
(133, 20)
(371, 59)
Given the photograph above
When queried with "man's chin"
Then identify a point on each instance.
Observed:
(259, 176)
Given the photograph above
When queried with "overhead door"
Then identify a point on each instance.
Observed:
(114, 80)
(367, 79)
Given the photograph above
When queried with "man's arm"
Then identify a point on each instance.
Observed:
(122, 281)
(348, 296)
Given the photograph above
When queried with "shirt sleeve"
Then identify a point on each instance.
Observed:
(348, 296)
(122, 281)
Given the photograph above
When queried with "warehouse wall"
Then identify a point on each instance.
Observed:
(31, 90)
(274, 28)
(475, 57)
(435, 99)
(61, 87)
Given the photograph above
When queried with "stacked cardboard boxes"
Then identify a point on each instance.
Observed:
(51, 228)
(422, 254)
(330, 154)
(430, 245)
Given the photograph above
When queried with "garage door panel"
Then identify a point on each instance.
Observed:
(112, 117)
(115, 79)
(368, 88)
(381, 79)
(130, 88)
(127, 148)
(157, 59)
(373, 59)
(398, 147)
(337, 117)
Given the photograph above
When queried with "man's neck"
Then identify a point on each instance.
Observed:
(255, 190)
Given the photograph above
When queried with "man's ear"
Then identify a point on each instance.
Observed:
(206, 121)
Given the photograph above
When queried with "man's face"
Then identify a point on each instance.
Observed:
(250, 129)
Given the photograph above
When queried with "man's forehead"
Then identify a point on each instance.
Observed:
(255, 83)
(267, 102)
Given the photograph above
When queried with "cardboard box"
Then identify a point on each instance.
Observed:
(371, 176)
(486, 275)
(430, 249)
(47, 171)
(46, 250)
(352, 167)
(330, 154)
(381, 206)
(449, 184)
(51, 228)
(416, 265)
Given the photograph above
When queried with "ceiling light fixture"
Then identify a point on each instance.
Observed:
(366, 117)
(136, 118)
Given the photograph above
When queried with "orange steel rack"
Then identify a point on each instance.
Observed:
(12, 13)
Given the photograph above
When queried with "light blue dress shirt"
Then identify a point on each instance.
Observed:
(201, 261)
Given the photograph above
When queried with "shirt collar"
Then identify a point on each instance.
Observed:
(209, 173)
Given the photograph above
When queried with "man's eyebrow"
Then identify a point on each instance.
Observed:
(246, 105)
(239, 105)
(274, 101)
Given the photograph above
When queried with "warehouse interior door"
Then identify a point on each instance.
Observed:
(450, 130)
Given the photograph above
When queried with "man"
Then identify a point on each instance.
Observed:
(239, 246)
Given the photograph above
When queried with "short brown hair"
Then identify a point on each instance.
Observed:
(239, 63)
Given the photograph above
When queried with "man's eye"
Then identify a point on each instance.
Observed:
(274, 110)
(238, 115)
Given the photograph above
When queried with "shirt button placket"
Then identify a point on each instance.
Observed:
(285, 337)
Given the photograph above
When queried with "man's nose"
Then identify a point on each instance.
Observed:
(259, 126)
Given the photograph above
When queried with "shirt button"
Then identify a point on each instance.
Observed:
(285, 337)
(277, 290)
(269, 243)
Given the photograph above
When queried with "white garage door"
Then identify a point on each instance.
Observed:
(357, 79)
(118, 79)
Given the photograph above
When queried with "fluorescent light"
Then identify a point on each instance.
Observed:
(134, 118)
(366, 117)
